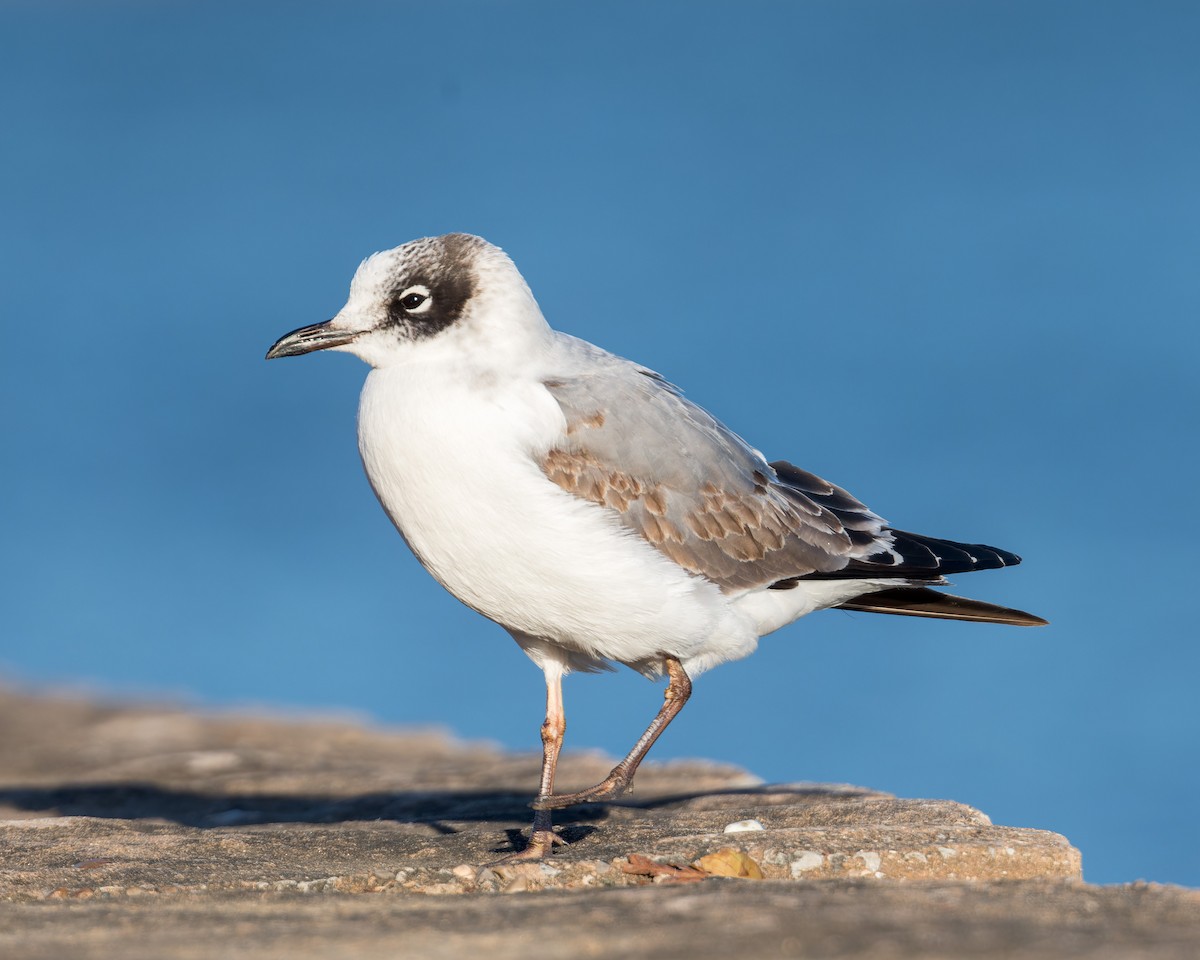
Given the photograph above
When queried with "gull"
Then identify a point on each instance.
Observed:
(581, 502)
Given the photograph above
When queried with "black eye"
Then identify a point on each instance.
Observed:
(412, 301)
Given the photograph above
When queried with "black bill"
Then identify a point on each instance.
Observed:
(319, 336)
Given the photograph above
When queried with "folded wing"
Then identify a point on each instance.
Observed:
(696, 491)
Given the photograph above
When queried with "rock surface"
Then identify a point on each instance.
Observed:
(161, 832)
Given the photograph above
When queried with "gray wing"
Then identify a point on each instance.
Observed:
(698, 492)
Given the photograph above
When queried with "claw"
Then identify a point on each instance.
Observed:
(541, 843)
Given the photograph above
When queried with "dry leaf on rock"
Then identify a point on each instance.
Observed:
(643, 866)
(728, 862)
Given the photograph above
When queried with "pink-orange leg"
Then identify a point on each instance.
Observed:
(679, 688)
(542, 838)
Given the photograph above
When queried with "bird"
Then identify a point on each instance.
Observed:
(584, 504)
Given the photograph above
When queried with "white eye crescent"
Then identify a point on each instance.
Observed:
(415, 299)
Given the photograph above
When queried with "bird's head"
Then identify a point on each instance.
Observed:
(451, 293)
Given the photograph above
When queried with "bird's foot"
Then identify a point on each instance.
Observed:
(541, 844)
(610, 788)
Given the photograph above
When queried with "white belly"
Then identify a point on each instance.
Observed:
(455, 465)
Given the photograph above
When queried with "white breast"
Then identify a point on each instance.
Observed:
(453, 458)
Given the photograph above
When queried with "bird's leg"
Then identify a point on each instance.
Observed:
(616, 783)
(542, 839)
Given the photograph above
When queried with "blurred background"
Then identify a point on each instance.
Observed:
(944, 254)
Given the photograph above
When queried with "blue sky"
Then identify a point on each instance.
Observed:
(943, 254)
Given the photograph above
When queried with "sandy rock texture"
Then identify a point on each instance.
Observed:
(163, 832)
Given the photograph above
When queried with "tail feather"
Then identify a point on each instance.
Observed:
(923, 602)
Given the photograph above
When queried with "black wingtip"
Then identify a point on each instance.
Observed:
(951, 556)
(917, 557)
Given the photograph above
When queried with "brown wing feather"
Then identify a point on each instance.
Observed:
(693, 489)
